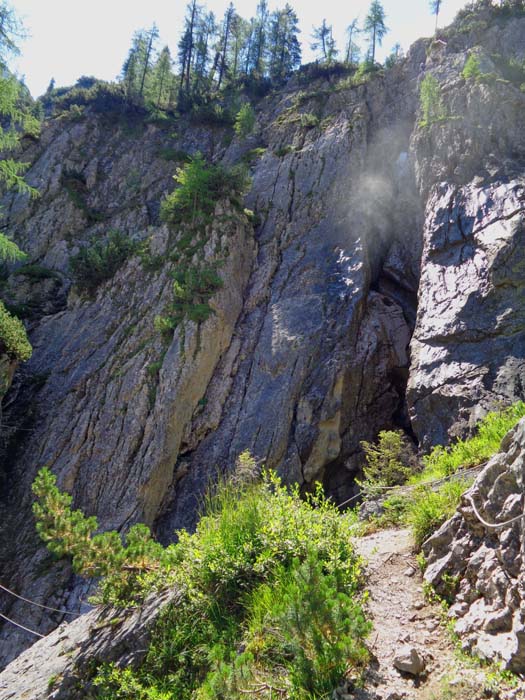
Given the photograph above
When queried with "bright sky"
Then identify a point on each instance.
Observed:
(70, 38)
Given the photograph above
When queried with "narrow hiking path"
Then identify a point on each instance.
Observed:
(402, 618)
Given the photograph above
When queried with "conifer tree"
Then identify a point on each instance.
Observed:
(224, 43)
(162, 80)
(324, 42)
(138, 64)
(187, 45)
(284, 50)
(435, 7)
(206, 30)
(151, 36)
(352, 49)
(375, 27)
(260, 38)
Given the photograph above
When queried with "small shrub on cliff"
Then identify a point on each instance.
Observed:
(471, 70)
(69, 532)
(200, 187)
(13, 336)
(99, 261)
(270, 602)
(244, 121)
(432, 107)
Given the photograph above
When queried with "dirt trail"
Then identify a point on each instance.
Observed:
(402, 616)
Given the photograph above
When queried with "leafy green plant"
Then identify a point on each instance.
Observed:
(476, 449)
(244, 121)
(270, 593)
(424, 506)
(283, 151)
(98, 262)
(309, 121)
(427, 510)
(432, 106)
(13, 336)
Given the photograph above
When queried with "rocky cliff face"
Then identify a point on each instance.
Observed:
(308, 351)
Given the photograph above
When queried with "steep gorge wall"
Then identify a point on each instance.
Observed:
(308, 351)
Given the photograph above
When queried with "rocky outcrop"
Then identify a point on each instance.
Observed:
(60, 666)
(468, 348)
(480, 564)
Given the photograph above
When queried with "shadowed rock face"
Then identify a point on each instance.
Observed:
(307, 352)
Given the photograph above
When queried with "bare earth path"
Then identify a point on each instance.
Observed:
(402, 616)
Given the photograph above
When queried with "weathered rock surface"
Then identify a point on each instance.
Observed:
(409, 660)
(483, 567)
(468, 347)
(58, 667)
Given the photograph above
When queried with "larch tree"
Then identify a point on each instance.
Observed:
(206, 30)
(375, 27)
(352, 48)
(151, 37)
(224, 43)
(284, 49)
(324, 42)
(186, 46)
(435, 7)
(162, 80)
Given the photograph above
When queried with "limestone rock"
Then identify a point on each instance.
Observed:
(59, 665)
(409, 660)
(488, 565)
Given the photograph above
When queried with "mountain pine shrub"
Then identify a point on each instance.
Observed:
(13, 336)
(432, 106)
(98, 262)
(270, 593)
(244, 121)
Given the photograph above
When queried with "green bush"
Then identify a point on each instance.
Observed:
(471, 70)
(270, 601)
(244, 121)
(200, 187)
(388, 463)
(432, 107)
(423, 508)
(99, 261)
(13, 336)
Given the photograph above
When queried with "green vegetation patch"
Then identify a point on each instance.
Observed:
(432, 107)
(422, 504)
(190, 207)
(271, 599)
(98, 262)
(13, 336)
